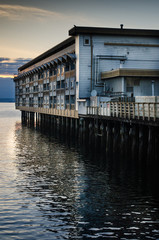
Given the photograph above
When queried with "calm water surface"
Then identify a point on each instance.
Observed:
(49, 190)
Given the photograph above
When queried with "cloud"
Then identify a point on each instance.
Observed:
(18, 12)
(9, 67)
(4, 59)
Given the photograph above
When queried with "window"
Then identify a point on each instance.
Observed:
(54, 71)
(58, 71)
(130, 83)
(62, 70)
(72, 83)
(54, 86)
(86, 41)
(129, 89)
(72, 66)
(50, 73)
(67, 67)
(67, 84)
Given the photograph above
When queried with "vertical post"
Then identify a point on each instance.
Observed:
(76, 129)
(138, 113)
(156, 145)
(113, 107)
(133, 104)
(22, 117)
(81, 121)
(63, 127)
(141, 142)
(124, 110)
(153, 87)
(55, 126)
(91, 135)
(122, 85)
(96, 138)
(117, 109)
(60, 126)
(36, 117)
(148, 111)
(129, 110)
(109, 144)
(120, 109)
(143, 111)
(150, 144)
(126, 138)
(134, 140)
(154, 111)
(103, 136)
(116, 138)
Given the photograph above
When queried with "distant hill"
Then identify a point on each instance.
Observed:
(7, 90)
(7, 100)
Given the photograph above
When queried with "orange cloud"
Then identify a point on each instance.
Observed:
(18, 12)
(6, 76)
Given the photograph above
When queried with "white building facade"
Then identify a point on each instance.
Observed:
(93, 62)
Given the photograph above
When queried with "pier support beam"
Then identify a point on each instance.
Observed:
(116, 139)
(109, 137)
(31, 119)
(151, 144)
(91, 135)
(102, 136)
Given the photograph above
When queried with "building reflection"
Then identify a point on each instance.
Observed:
(82, 192)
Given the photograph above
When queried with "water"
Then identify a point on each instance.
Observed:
(49, 190)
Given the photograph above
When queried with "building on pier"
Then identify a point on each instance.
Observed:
(92, 66)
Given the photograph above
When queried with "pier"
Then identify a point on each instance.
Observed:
(129, 128)
(98, 88)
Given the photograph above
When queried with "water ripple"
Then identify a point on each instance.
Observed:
(50, 191)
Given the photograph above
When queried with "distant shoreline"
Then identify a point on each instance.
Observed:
(7, 100)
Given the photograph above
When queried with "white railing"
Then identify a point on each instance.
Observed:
(129, 110)
(50, 111)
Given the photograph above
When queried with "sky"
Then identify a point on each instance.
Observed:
(31, 27)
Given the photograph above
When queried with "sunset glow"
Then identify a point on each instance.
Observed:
(6, 76)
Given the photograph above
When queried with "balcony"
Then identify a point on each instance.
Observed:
(36, 90)
(46, 89)
(40, 105)
(53, 78)
(70, 74)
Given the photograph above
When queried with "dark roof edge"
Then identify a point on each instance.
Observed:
(66, 43)
(112, 31)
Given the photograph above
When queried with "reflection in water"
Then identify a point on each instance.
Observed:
(51, 191)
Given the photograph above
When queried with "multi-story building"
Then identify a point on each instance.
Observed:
(93, 62)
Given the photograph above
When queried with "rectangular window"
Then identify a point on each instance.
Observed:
(86, 41)
(54, 71)
(67, 67)
(62, 70)
(129, 89)
(72, 84)
(58, 71)
(50, 73)
(67, 84)
(72, 66)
